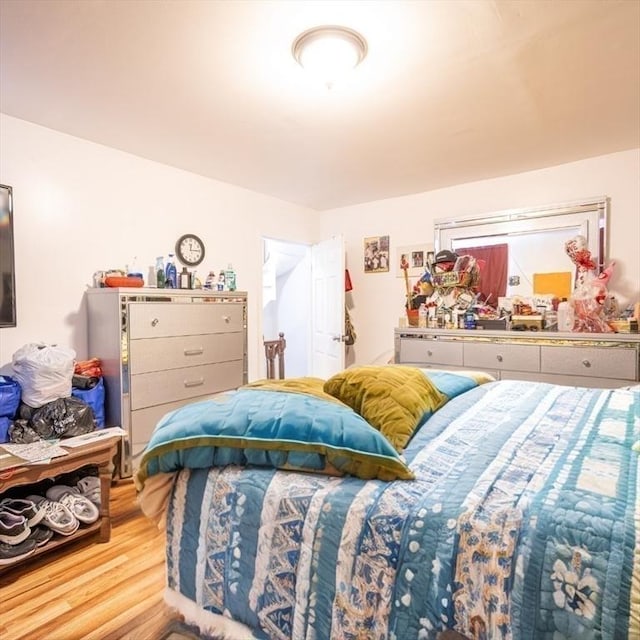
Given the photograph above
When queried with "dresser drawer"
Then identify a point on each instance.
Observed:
(153, 354)
(160, 387)
(144, 421)
(430, 352)
(161, 320)
(600, 362)
(488, 355)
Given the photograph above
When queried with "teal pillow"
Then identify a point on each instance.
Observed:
(274, 429)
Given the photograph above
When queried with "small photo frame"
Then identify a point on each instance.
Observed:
(376, 254)
(415, 258)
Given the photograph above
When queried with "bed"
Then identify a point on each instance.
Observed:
(507, 509)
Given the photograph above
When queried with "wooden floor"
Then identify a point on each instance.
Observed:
(92, 591)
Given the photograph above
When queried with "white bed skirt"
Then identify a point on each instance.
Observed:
(210, 624)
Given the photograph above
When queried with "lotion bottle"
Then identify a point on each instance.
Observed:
(565, 315)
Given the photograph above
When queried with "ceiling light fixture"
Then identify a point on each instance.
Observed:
(329, 52)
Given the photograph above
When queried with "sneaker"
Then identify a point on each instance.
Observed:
(10, 553)
(13, 528)
(89, 486)
(80, 506)
(40, 535)
(25, 508)
(57, 517)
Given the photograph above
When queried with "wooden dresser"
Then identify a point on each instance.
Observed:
(579, 359)
(162, 348)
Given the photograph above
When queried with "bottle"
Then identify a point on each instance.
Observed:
(152, 277)
(132, 269)
(185, 279)
(230, 278)
(170, 274)
(469, 320)
(422, 316)
(210, 282)
(565, 315)
(160, 279)
(221, 283)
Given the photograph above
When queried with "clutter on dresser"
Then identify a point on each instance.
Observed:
(166, 274)
(448, 295)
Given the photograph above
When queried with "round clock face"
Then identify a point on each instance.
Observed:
(190, 250)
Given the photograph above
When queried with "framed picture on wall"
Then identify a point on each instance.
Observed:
(415, 258)
(376, 254)
(7, 260)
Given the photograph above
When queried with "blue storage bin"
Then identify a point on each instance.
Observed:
(95, 399)
(10, 393)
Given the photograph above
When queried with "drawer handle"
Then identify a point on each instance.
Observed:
(429, 352)
(194, 352)
(586, 363)
(499, 358)
(194, 383)
(227, 319)
(154, 322)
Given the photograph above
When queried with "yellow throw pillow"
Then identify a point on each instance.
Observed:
(394, 399)
(307, 385)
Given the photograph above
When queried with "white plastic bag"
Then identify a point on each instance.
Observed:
(44, 372)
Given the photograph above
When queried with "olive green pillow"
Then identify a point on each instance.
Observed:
(394, 399)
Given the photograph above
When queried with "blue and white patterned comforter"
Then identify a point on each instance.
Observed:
(523, 522)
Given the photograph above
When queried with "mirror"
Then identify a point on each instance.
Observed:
(522, 251)
(7, 261)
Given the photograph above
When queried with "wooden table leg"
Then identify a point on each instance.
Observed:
(105, 471)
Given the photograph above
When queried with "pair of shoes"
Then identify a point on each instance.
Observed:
(22, 507)
(14, 529)
(10, 553)
(89, 486)
(80, 506)
(40, 535)
(56, 516)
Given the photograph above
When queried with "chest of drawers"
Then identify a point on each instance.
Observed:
(589, 360)
(162, 348)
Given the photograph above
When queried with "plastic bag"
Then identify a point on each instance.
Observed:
(44, 372)
(21, 433)
(62, 418)
(10, 392)
(94, 397)
(5, 423)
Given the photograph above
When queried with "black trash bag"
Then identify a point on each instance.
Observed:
(21, 433)
(25, 412)
(63, 418)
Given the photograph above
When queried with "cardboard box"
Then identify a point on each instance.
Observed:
(625, 325)
(493, 324)
(533, 322)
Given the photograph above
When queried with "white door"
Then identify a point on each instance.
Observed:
(327, 307)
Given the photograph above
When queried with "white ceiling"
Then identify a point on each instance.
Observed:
(451, 91)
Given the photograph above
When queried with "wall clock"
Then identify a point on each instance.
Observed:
(190, 250)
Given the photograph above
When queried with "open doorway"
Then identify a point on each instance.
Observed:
(286, 302)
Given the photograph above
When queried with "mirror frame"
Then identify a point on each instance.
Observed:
(590, 215)
(11, 318)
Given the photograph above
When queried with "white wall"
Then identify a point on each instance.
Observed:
(80, 207)
(379, 297)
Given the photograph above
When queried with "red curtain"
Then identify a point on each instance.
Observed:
(493, 273)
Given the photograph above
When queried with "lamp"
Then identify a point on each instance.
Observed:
(329, 52)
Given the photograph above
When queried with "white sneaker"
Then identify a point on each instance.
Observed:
(89, 486)
(80, 506)
(56, 516)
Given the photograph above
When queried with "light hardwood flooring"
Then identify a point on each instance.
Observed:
(92, 591)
